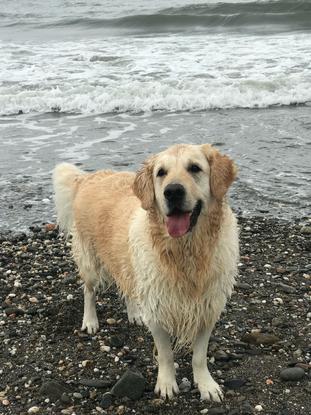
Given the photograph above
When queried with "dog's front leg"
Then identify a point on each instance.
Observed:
(90, 320)
(166, 383)
(208, 388)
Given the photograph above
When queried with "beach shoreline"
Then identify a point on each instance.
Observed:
(41, 312)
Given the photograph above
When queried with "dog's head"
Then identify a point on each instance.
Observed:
(181, 182)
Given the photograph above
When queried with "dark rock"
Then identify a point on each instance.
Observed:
(107, 400)
(116, 341)
(14, 310)
(292, 373)
(287, 288)
(65, 399)
(70, 280)
(260, 338)
(246, 408)
(129, 358)
(276, 322)
(185, 385)
(234, 383)
(221, 356)
(95, 383)
(53, 390)
(131, 385)
(306, 230)
(243, 286)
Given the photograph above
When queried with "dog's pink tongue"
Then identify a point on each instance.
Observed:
(178, 225)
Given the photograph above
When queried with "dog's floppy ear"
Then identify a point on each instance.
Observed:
(223, 171)
(143, 184)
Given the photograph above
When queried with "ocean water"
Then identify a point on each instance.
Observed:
(103, 84)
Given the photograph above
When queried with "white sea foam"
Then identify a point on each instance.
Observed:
(156, 95)
(168, 73)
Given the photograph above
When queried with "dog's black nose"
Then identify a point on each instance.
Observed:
(174, 192)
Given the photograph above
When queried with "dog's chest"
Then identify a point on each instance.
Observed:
(171, 301)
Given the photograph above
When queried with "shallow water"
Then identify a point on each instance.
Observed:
(271, 147)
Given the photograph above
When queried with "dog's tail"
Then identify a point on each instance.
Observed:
(66, 179)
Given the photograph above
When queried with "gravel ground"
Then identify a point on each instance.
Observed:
(47, 366)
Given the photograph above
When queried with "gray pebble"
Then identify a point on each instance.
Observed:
(107, 400)
(292, 373)
(130, 385)
(234, 383)
(53, 390)
(185, 385)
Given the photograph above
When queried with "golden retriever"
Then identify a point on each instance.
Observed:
(167, 238)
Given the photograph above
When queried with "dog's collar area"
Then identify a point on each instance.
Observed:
(195, 214)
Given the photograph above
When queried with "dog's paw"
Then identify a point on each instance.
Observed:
(210, 391)
(135, 319)
(90, 325)
(166, 387)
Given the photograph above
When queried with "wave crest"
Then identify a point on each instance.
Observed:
(137, 96)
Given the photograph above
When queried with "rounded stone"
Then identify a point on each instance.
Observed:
(107, 400)
(292, 373)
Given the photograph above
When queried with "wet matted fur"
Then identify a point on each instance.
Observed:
(167, 238)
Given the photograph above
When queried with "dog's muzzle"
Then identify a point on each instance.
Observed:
(179, 220)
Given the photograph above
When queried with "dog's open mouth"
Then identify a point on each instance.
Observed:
(178, 222)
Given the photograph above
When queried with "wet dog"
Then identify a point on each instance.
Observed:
(167, 238)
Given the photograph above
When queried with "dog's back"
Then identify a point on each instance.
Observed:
(97, 209)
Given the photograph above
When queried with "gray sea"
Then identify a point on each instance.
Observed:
(103, 84)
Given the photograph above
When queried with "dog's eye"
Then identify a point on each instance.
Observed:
(194, 168)
(161, 173)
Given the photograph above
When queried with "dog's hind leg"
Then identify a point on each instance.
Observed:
(90, 320)
(208, 388)
(166, 383)
(89, 273)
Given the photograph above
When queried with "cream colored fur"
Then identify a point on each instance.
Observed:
(177, 286)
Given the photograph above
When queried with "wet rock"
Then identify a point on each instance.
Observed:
(277, 322)
(305, 230)
(185, 385)
(243, 286)
(246, 408)
(287, 288)
(71, 279)
(221, 356)
(260, 338)
(14, 310)
(292, 373)
(130, 385)
(117, 341)
(53, 390)
(65, 399)
(234, 383)
(106, 400)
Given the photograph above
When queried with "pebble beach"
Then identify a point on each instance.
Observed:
(259, 351)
